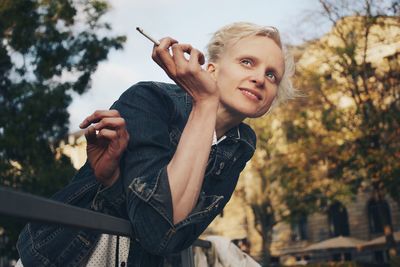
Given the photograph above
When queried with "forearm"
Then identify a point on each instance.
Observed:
(187, 167)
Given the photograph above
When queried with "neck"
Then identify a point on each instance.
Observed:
(226, 121)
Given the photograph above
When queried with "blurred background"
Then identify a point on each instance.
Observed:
(325, 180)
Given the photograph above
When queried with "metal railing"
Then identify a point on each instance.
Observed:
(33, 208)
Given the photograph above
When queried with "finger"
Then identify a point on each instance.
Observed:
(162, 56)
(178, 54)
(111, 136)
(97, 116)
(111, 123)
(117, 142)
(196, 58)
(108, 134)
(164, 45)
(90, 135)
(115, 127)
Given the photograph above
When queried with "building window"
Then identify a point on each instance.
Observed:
(378, 216)
(338, 220)
(340, 257)
(299, 229)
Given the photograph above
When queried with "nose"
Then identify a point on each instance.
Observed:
(258, 78)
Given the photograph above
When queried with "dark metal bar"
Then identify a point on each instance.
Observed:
(202, 243)
(34, 208)
(187, 257)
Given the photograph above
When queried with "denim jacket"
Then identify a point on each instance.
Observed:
(155, 115)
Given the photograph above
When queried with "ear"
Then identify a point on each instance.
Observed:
(212, 69)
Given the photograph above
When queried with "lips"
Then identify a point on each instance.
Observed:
(253, 94)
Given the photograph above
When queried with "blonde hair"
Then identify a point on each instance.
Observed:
(234, 32)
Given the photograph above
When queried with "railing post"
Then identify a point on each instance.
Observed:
(187, 257)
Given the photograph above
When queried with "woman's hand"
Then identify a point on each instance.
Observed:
(106, 142)
(187, 73)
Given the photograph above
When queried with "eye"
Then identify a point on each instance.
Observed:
(271, 75)
(246, 62)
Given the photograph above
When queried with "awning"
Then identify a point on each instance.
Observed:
(340, 242)
(381, 240)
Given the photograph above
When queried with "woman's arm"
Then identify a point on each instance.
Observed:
(187, 166)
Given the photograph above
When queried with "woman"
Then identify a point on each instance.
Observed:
(186, 149)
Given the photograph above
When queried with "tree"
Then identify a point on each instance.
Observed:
(343, 137)
(356, 77)
(285, 181)
(48, 50)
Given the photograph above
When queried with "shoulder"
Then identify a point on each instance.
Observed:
(154, 95)
(151, 89)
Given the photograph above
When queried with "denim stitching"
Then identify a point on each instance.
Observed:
(138, 194)
(33, 250)
(82, 191)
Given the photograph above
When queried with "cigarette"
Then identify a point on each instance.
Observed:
(147, 36)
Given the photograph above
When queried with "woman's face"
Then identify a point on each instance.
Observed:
(248, 74)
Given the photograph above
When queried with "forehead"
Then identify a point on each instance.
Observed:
(262, 48)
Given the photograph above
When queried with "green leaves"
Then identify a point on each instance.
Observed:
(42, 42)
(48, 49)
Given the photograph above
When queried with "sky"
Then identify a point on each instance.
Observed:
(189, 22)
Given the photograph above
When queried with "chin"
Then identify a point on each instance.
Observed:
(257, 115)
(242, 110)
(251, 113)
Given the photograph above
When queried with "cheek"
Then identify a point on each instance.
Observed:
(273, 92)
(269, 100)
(229, 73)
(224, 80)
(223, 75)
